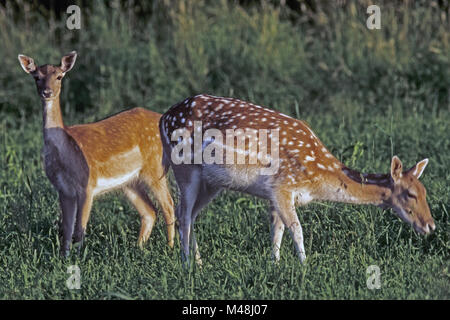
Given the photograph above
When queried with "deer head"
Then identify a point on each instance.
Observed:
(408, 197)
(48, 77)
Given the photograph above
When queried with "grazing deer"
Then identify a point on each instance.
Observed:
(307, 171)
(83, 161)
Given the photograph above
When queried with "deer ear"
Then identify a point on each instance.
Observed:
(68, 61)
(27, 63)
(417, 170)
(396, 168)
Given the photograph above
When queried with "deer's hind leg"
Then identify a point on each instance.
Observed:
(160, 190)
(206, 195)
(188, 179)
(138, 197)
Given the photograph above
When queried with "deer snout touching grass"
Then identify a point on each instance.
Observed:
(82, 161)
(305, 170)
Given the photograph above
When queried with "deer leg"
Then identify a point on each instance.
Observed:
(188, 180)
(84, 206)
(161, 192)
(207, 193)
(276, 232)
(285, 207)
(140, 200)
(68, 210)
(86, 210)
(198, 258)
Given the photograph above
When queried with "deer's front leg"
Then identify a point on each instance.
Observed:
(68, 211)
(276, 232)
(84, 205)
(297, 234)
(284, 203)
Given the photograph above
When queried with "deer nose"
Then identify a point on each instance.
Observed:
(428, 227)
(47, 93)
(431, 226)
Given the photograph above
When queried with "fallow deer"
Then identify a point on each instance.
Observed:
(83, 161)
(306, 170)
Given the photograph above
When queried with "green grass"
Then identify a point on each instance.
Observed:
(367, 94)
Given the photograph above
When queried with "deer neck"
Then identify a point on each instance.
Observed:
(52, 114)
(351, 186)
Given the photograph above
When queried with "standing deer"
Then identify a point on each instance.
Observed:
(83, 161)
(307, 171)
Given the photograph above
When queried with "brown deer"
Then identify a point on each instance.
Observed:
(305, 169)
(82, 161)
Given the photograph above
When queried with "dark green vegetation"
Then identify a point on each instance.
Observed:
(367, 94)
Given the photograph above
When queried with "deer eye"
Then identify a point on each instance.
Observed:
(410, 195)
(59, 77)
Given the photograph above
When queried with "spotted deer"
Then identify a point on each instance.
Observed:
(83, 161)
(306, 170)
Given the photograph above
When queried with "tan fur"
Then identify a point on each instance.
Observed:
(123, 151)
(104, 142)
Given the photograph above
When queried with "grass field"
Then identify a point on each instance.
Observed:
(367, 94)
